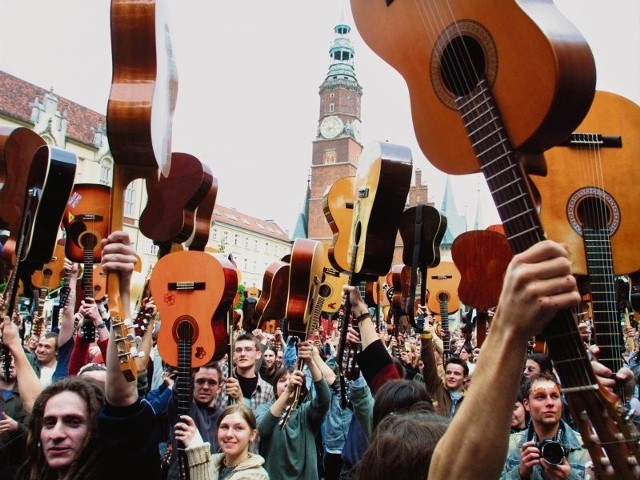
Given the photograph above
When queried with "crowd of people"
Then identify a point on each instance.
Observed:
(283, 410)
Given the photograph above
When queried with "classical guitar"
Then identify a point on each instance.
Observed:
(380, 192)
(481, 257)
(485, 113)
(442, 283)
(272, 303)
(589, 200)
(593, 174)
(443, 49)
(139, 113)
(337, 206)
(306, 295)
(43, 280)
(193, 291)
(170, 214)
(18, 147)
(422, 228)
(52, 173)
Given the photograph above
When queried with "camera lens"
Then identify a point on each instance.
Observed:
(552, 452)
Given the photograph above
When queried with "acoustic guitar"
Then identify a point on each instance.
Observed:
(481, 257)
(193, 291)
(589, 200)
(444, 50)
(381, 186)
(305, 298)
(272, 303)
(140, 109)
(422, 228)
(442, 284)
(337, 206)
(170, 214)
(485, 113)
(18, 147)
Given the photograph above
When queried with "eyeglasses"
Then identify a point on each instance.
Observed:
(202, 381)
(244, 349)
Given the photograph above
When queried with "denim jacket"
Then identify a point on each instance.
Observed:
(577, 456)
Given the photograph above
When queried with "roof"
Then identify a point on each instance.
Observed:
(231, 216)
(16, 101)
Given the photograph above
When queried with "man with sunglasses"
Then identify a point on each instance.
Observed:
(207, 382)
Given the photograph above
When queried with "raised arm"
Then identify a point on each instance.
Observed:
(537, 283)
(28, 382)
(118, 255)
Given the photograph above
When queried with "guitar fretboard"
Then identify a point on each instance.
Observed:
(508, 187)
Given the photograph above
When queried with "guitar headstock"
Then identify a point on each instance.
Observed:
(126, 346)
(610, 437)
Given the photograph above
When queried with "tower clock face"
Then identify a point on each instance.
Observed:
(331, 126)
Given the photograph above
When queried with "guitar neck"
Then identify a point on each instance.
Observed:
(507, 184)
(444, 322)
(606, 318)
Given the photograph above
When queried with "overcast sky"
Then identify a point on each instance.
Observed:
(249, 73)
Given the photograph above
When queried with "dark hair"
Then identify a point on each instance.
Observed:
(525, 390)
(53, 335)
(546, 365)
(458, 361)
(211, 365)
(281, 372)
(86, 464)
(402, 446)
(400, 395)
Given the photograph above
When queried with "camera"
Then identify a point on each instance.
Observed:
(551, 451)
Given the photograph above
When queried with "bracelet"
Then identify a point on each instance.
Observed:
(100, 325)
(426, 336)
(362, 316)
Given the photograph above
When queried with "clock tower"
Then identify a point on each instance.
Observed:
(337, 146)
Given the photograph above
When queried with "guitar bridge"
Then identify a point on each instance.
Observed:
(186, 286)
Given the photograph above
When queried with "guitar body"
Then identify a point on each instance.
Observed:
(381, 187)
(202, 222)
(433, 226)
(53, 171)
(442, 283)
(442, 48)
(335, 281)
(481, 257)
(305, 277)
(18, 146)
(272, 303)
(86, 220)
(52, 273)
(337, 205)
(591, 177)
(144, 87)
(195, 288)
(172, 201)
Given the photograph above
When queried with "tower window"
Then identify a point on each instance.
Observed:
(332, 108)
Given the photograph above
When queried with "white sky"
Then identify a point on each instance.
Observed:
(249, 73)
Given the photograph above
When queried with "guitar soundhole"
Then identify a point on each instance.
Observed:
(87, 240)
(324, 291)
(463, 54)
(185, 328)
(462, 65)
(443, 296)
(594, 213)
(594, 208)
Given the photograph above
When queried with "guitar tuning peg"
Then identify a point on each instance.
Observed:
(139, 355)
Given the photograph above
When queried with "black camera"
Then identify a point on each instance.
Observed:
(551, 451)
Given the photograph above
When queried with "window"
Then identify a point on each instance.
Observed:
(255, 246)
(225, 237)
(236, 239)
(128, 200)
(332, 108)
(246, 242)
(105, 172)
(214, 234)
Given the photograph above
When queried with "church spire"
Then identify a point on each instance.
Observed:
(456, 223)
